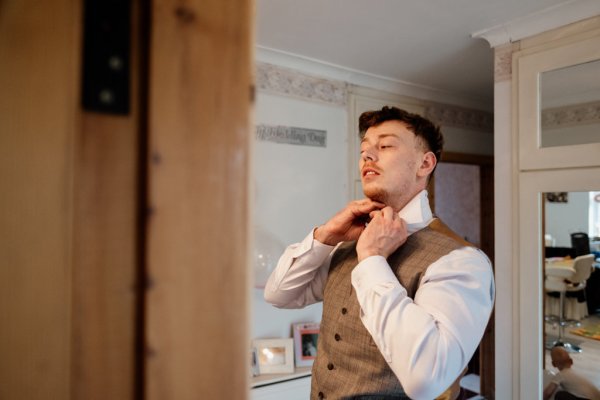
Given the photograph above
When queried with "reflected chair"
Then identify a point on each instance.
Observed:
(555, 281)
(580, 242)
(575, 301)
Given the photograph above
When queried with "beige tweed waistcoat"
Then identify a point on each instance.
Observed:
(349, 364)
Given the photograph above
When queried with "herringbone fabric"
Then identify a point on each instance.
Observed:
(349, 364)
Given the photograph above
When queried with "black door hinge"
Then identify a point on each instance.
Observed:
(106, 56)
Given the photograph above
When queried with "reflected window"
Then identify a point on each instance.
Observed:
(570, 105)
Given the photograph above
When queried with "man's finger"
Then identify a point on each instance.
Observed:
(374, 213)
(388, 213)
(370, 203)
(367, 208)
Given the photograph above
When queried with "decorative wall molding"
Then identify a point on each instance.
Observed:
(503, 63)
(289, 82)
(528, 25)
(577, 114)
(279, 80)
(460, 117)
(338, 73)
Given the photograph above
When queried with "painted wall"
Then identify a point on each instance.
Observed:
(562, 219)
(461, 140)
(296, 188)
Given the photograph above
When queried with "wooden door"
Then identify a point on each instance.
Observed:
(97, 209)
(485, 356)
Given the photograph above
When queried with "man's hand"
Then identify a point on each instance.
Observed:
(384, 234)
(549, 390)
(347, 224)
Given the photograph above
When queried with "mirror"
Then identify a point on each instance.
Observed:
(570, 105)
(571, 240)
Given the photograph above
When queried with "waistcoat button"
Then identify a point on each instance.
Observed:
(344, 311)
(330, 366)
(321, 395)
(337, 337)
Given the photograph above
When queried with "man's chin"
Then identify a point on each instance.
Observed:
(376, 195)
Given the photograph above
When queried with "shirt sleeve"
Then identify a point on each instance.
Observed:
(558, 378)
(300, 276)
(429, 341)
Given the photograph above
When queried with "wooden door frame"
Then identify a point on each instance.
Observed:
(486, 168)
(197, 239)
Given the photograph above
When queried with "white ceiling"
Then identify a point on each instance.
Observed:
(423, 42)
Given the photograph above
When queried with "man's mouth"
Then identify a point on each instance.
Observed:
(369, 172)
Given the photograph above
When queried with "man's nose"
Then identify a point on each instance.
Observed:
(368, 155)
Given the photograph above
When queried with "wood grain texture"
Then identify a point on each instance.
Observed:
(39, 57)
(106, 247)
(104, 259)
(197, 243)
(487, 348)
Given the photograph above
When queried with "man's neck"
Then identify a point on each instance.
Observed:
(398, 205)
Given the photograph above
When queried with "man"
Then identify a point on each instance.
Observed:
(405, 300)
(574, 386)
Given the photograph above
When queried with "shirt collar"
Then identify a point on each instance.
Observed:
(417, 213)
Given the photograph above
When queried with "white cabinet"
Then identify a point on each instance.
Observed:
(295, 389)
(294, 386)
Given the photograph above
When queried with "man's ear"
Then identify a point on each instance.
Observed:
(428, 164)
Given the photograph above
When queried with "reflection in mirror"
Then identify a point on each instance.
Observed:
(571, 293)
(570, 105)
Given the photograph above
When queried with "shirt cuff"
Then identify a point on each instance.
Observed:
(371, 272)
(319, 250)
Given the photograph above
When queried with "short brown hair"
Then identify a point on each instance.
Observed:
(421, 127)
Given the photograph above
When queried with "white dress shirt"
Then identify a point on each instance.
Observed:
(427, 341)
(576, 384)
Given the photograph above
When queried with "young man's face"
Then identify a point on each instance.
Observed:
(391, 164)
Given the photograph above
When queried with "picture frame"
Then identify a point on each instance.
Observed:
(557, 197)
(306, 336)
(275, 356)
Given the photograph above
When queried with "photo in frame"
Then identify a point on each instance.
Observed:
(275, 356)
(306, 336)
(557, 197)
